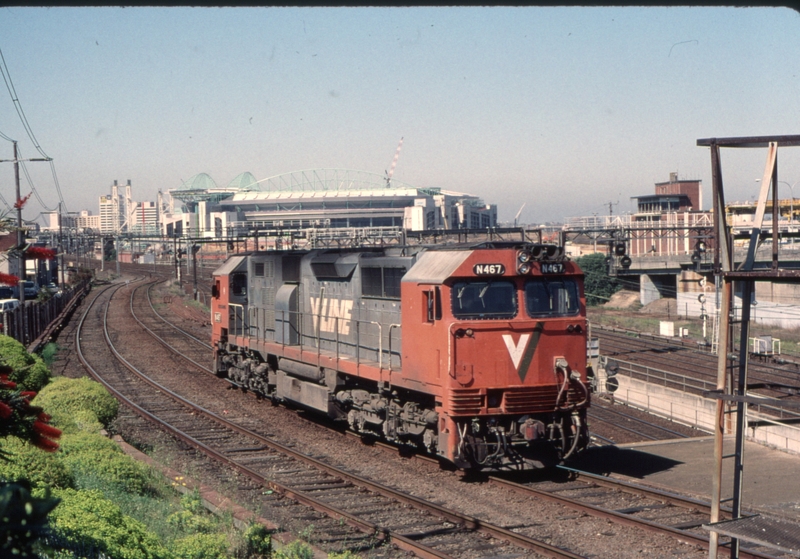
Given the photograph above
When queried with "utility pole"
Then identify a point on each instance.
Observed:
(177, 261)
(60, 245)
(195, 248)
(20, 241)
(20, 233)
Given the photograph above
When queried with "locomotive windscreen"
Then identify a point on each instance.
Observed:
(551, 297)
(484, 299)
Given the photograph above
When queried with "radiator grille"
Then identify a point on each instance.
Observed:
(530, 400)
(518, 401)
(466, 402)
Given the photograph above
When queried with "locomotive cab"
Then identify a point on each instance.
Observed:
(506, 340)
(228, 306)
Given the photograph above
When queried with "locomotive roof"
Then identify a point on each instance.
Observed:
(436, 266)
(229, 266)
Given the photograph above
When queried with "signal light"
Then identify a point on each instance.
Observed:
(619, 248)
(625, 261)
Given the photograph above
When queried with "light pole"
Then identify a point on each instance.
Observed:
(791, 202)
(18, 204)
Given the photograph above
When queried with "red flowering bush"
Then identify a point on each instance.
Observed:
(18, 417)
(20, 203)
(8, 279)
(40, 253)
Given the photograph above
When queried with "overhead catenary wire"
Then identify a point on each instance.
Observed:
(29, 131)
(2, 199)
(33, 188)
(18, 105)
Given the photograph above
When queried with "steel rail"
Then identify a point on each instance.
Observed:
(158, 338)
(502, 533)
(382, 533)
(623, 518)
(319, 506)
(593, 415)
(175, 326)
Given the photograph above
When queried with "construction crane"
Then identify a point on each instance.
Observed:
(390, 172)
(516, 217)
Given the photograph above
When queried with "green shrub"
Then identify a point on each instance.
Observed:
(193, 502)
(70, 422)
(258, 540)
(193, 516)
(48, 353)
(294, 550)
(88, 517)
(23, 519)
(192, 523)
(343, 555)
(201, 546)
(42, 469)
(72, 395)
(92, 455)
(30, 372)
(598, 285)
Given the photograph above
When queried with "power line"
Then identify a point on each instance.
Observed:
(2, 199)
(18, 105)
(21, 113)
(30, 183)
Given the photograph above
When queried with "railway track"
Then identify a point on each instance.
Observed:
(304, 479)
(686, 361)
(345, 507)
(628, 426)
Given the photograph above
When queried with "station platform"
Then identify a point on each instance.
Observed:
(770, 480)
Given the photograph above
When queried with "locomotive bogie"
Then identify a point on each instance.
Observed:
(472, 355)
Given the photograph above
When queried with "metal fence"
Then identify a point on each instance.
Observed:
(767, 413)
(26, 323)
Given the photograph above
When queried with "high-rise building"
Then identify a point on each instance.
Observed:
(86, 220)
(118, 211)
(144, 218)
(110, 217)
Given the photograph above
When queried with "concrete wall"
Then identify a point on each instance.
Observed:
(696, 411)
(653, 287)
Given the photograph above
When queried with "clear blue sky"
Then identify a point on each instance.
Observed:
(565, 109)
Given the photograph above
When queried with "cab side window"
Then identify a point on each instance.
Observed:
(239, 285)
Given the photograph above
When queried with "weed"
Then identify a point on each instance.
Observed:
(294, 550)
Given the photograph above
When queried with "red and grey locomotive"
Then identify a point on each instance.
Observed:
(474, 354)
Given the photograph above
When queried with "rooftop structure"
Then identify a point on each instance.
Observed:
(672, 196)
(202, 188)
(327, 198)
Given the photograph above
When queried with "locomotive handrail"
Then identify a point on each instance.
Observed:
(391, 327)
(380, 346)
(257, 319)
(233, 306)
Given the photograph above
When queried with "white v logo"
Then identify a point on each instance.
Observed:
(516, 350)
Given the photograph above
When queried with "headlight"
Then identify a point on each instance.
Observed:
(523, 269)
(523, 256)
